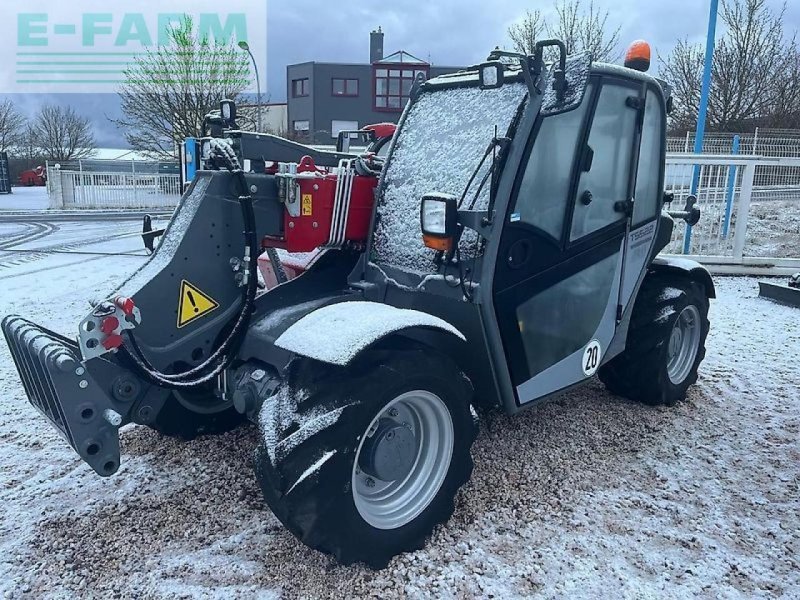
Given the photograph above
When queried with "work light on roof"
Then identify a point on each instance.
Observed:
(491, 75)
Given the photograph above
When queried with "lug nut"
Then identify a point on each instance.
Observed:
(393, 412)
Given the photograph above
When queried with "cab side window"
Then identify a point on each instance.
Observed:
(543, 194)
(606, 162)
(646, 199)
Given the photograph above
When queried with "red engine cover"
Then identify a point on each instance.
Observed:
(313, 227)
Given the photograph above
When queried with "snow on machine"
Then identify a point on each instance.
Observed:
(502, 252)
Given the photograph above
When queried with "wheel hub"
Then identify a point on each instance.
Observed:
(402, 459)
(390, 452)
(684, 342)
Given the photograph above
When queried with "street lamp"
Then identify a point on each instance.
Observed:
(246, 47)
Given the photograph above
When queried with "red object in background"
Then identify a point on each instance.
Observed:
(33, 177)
(294, 265)
(312, 228)
(382, 130)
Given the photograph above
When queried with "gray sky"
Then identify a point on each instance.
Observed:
(455, 32)
(446, 32)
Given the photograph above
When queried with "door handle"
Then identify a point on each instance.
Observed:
(624, 206)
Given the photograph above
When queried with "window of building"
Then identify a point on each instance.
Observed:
(393, 86)
(300, 87)
(338, 126)
(344, 87)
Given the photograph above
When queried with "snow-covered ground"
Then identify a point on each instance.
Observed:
(586, 496)
(24, 198)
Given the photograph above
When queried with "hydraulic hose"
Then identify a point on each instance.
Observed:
(224, 355)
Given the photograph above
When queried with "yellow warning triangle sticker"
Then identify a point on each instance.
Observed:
(193, 304)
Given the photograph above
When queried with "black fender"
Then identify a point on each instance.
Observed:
(339, 332)
(684, 266)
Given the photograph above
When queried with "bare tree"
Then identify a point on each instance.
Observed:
(169, 90)
(11, 124)
(751, 74)
(786, 111)
(28, 145)
(586, 29)
(62, 134)
(527, 31)
(582, 28)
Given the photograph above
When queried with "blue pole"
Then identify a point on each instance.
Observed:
(729, 193)
(701, 115)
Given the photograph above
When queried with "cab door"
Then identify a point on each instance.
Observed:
(559, 267)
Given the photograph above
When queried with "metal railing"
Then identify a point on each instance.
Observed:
(77, 190)
(750, 204)
(750, 207)
(777, 143)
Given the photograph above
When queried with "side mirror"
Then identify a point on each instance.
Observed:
(227, 109)
(690, 213)
(491, 75)
(439, 221)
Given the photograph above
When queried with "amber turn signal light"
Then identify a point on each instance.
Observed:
(438, 243)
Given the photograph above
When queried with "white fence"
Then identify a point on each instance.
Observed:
(750, 204)
(76, 189)
(776, 143)
(750, 209)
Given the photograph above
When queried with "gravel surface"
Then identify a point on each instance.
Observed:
(585, 496)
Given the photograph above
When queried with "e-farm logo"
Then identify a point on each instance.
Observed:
(60, 49)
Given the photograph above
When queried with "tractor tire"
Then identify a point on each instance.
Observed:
(666, 343)
(178, 420)
(341, 444)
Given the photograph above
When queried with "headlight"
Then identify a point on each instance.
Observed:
(439, 220)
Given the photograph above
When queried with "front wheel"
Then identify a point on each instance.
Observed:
(665, 345)
(363, 462)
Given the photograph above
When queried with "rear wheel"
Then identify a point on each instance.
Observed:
(363, 462)
(666, 342)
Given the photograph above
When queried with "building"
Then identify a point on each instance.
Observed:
(273, 117)
(326, 98)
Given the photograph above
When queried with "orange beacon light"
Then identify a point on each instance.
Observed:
(638, 56)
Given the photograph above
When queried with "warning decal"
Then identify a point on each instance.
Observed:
(193, 304)
(307, 204)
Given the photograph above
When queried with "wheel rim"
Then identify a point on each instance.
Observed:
(392, 504)
(684, 342)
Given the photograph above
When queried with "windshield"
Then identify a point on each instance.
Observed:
(443, 138)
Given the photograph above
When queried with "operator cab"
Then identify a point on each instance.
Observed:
(540, 204)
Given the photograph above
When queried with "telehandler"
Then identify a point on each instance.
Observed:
(504, 251)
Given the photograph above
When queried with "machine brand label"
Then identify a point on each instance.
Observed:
(193, 304)
(307, 204)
